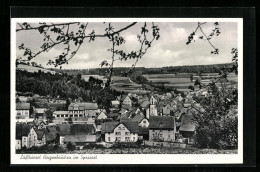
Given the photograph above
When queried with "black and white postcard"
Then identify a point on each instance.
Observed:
(126, 91)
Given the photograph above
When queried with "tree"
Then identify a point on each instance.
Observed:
(71, 146)
(60, 34)
(49, 115)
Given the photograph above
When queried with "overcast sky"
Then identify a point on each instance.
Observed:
(169, 50)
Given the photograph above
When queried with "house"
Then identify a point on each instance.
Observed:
(61, 114)
(166, 110)
(141, 119)
(57, 106)
(29, 136)
(143, 133)
(162, 128)
(62, 130)
(102, 115)
(88, 110)
(68, 132)
(120, 131)
(127, 103)
(52, 135)
(81, 134)
(115, 104)
(39, 112)
(22, 110)
(187, 126)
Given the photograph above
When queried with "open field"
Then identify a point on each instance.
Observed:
(33, 69)
(182, 81)
(120, 83)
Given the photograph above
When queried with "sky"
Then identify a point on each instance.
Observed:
(169, 50)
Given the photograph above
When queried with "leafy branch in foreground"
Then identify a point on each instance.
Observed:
(214, 32)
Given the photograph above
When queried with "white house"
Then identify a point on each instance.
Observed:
(120, 132)
(102, 115)
(22, 110)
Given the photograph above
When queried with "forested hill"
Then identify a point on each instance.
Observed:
(65, 86)
(214, 68)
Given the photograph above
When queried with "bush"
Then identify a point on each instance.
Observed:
(93, 145)
(125, 145)
(71, 146)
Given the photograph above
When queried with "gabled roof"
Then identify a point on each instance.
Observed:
(78, 129)
(187, 127)
(40, 133)
(22, 130)
(84, 106)
(138, 118)
(80, 138)
(22, 106)
(51, 133)
(132, 126)
(63, 129)
(108, 127)
(161, 122)
(145, 104)
(143, 130)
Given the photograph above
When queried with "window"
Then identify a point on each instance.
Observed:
(66, 115)
(62, 116)
(144, 122)
(118, 138)
(71, 115)
(133, 138)
(80, 115)
(109, 139)
(169, 136)
(58, 116)
(19, 113)
(127, 139)
(119, 128)
(118, 133)
(127, 133)
(123, 128)
(75, 115)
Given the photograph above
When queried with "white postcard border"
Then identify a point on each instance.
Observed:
(128, 158)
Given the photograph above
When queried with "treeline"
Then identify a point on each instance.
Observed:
(214, 68)
(64, 86)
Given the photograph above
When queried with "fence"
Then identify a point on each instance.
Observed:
(165, 144)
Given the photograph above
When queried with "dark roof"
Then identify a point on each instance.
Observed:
(40, 133)
(82, 129)
(84, 106)
(143, 130)
(132, 126)
(187, 127)
(145, 104)
(51, 133)
(108, 127)
(22, 106)
(138, 118)
(63, 129)
(186, 118)
(161, 122)
(22, 130)
(111, 115)
(56, 105)
(80, 138)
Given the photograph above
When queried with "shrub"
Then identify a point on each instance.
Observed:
(71, 146)
(93, 145)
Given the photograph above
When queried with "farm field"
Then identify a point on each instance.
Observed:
(182, 81)
(120, 83)
(33, 69)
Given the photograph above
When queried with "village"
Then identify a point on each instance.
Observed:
(154, 119)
